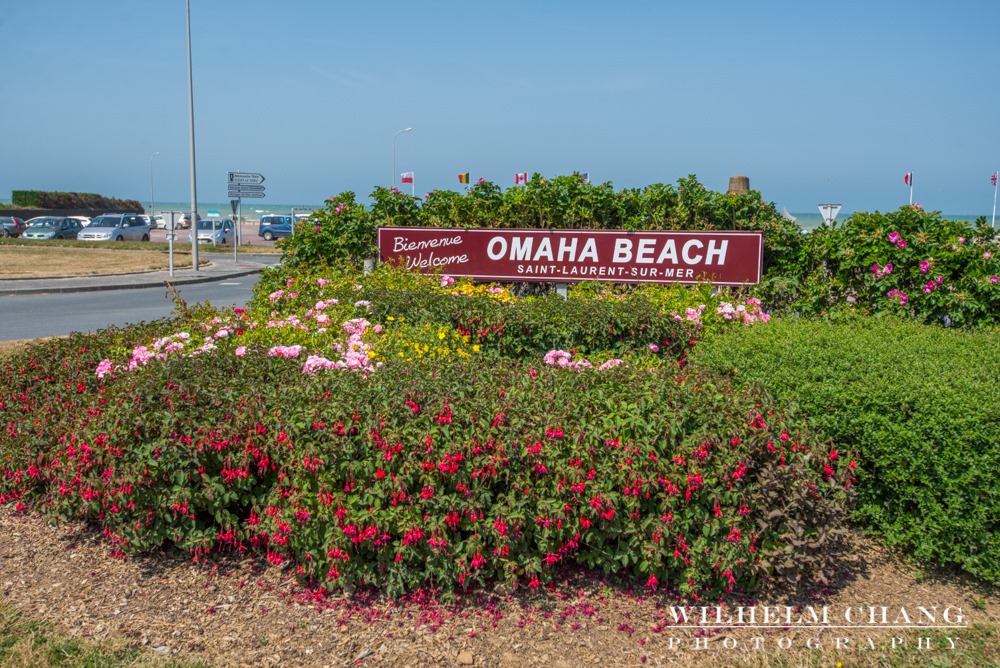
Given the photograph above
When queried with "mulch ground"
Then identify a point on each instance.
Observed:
(246, 612)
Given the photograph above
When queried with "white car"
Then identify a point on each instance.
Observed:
(84, 221)
(216, 231)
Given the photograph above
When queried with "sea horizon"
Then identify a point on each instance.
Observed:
(253, 209)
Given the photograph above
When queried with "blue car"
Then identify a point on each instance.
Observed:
(275, 227)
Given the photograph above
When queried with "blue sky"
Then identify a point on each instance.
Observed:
(814, 101)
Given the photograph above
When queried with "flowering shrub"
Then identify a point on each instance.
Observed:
(450, 474)
(908, 263)
(919, 405)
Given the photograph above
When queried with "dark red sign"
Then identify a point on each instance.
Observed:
(569, 256)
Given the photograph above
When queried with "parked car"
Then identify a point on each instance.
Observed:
(116, 227)
(274, 227)
(185, 222)
(11, 226)
(84, 221)
(52, 227)
(217, 231)
(159, 222)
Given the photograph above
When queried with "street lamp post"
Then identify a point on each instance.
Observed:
(392, 183)
(151, 191)
(194, 180)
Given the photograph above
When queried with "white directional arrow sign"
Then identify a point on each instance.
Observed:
(245, 177)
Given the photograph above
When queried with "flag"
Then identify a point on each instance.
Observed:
(993, 179)
(406, 177)
(463, 178)
(520, 177)
(908, 178)
(586, 177)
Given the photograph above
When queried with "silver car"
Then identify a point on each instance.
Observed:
(116, 227)
(217, 231)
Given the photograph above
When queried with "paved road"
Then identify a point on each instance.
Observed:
(55, 307)
(31, 316)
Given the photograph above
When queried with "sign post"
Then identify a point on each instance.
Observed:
(242, 185)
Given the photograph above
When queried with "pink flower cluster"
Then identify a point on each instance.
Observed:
(931, 286)
(881, 271)
(895, 238)
(447, 281)
(898, 295)
(561, 358)
(284, 351)
(749, 312)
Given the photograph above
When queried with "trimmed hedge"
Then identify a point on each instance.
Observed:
(920, 405)
(59, 200)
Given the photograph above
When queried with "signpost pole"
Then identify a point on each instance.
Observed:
(235, 204)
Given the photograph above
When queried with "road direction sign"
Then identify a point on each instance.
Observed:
(244, 187)
(829, 212)
(244, 195)
(245, 177)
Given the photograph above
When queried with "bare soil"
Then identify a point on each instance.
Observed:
(35, 262)
(245, 612)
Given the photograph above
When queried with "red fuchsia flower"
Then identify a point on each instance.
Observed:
(734, 535)
(652, 582)
(834, 455)
(478, 561)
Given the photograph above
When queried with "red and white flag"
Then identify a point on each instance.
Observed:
(908, 178)
(993, 179)
(406, 177)
(520, 177)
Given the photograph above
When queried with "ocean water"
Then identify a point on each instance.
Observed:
(251, 209)
(808, 221)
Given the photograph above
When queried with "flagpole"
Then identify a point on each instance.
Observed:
(993, 222)
(911, 188)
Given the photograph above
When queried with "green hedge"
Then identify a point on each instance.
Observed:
(346, 230)
(921, 406)
(62, 200)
